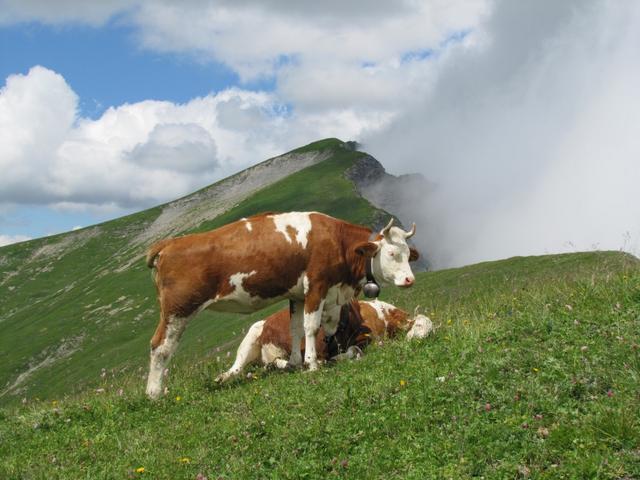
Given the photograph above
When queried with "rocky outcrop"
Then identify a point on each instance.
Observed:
(206, 204)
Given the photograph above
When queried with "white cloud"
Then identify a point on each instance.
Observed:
(370, 59)
(9, 239)
(186, 148)
(61, 11)
(37, 111)
(530, 137)
(138, 155)
(323, 55)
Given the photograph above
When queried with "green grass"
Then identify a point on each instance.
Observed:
(74, 314)
(532, 372)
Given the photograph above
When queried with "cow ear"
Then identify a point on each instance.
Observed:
(367, 249)
(413, 254)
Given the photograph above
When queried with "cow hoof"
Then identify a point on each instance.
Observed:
(292, 366)
(312, 367)
(153, 394)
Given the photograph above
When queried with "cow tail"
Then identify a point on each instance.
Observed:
(153, 252)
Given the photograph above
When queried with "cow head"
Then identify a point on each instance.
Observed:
(391, 256)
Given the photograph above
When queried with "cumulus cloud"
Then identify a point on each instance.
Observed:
(138, 155)
(186, 148)
(530, 136)
(37, 111)
(342, 55)
(357, 55)
(52, 155)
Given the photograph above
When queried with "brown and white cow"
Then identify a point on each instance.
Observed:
(361, 322)
(314, 260)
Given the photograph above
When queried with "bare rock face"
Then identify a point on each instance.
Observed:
(206, 204)
(390, 193)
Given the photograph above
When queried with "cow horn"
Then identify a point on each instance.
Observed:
(386, 229)
(411, 232)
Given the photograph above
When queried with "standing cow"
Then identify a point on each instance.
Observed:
(314, 260)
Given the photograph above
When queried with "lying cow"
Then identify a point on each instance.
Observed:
(360, 323)
(316, 261)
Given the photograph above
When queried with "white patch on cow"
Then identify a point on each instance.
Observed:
(382, 309)
(236, 280)
(331, 318)
(281, 363)
(300, 221)
(337, 295)
(247, 224)
(422, 326)
(272, 353)
(312, 321)
(248, 352)
(391, 263)
(239, 300)
(161, 355)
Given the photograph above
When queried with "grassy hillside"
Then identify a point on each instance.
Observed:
(77, 307)
(532, 373)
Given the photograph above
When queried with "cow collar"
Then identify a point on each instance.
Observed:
(371, 289)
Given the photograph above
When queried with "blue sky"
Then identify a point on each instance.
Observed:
(106, 67)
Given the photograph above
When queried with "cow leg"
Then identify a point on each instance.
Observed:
(312, 322)
(248, 352)
(163, 345)
(296, 327)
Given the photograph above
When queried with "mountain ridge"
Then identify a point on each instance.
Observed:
(65, 296)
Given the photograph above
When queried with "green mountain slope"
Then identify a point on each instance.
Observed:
(532, 372)
(79, 306)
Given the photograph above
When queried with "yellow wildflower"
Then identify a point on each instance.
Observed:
(185, 460)
(140, 470)
(536, 369)
(178, 398)
(403, 383)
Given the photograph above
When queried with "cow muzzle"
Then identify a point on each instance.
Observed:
(406, 283)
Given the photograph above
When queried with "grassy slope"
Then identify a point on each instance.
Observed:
(533, 371)
(76, 307)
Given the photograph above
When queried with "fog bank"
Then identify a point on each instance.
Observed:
(530, 136)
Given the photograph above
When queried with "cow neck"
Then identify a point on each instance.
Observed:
(355, 263)
(371, 288)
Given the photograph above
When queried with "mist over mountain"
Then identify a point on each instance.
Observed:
(528, 138)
